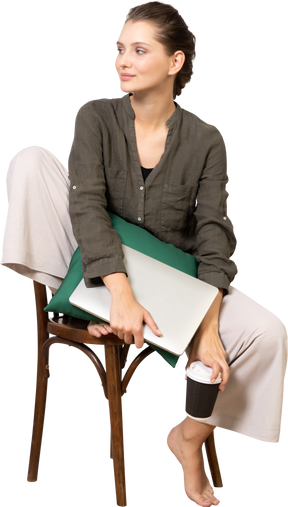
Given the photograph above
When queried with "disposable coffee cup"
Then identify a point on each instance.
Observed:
(201, 393)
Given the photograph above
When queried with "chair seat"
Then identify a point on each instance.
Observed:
(74, 329)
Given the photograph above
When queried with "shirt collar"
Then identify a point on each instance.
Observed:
(130, 111)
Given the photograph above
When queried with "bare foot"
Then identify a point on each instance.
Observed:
(98, 328)
(189, 453)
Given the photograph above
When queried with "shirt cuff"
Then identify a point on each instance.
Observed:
(102, 267)
(219, 280)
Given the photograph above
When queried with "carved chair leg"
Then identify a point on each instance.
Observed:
(112, 355)
(213, 461)
(41, 385)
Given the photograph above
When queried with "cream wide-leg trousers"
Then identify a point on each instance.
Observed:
(39, 243)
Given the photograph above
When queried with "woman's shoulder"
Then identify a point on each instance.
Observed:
(195, 125)
(101, 108)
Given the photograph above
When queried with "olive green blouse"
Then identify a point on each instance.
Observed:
(183, 201)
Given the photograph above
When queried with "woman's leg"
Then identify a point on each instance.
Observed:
(38, 241)
(252, 406)
(255, 341)
(185, 441)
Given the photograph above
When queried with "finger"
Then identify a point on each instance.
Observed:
(225, 376)
(139, 338)
(128, 337)
(215, 371)
(139, 343)
(118, 332)
(150, 322)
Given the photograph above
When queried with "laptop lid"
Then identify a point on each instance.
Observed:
(176, 301)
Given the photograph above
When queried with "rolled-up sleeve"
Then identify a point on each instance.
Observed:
(215, 237)
(100, 245)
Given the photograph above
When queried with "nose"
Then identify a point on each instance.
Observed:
(125, 65)
(125, 61)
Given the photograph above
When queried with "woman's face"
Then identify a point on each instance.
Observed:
(142, 63)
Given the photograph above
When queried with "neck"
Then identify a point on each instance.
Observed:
(152, 111)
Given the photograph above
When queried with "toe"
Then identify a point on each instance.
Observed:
(218, 501)
(94, 332)
(201, 500)
(204, 503)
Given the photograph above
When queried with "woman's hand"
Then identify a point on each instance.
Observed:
(126, 314)
(207, 346)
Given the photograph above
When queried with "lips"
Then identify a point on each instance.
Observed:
(124, 76)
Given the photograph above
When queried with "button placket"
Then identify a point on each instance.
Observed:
(141, 204)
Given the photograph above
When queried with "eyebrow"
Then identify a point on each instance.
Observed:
(134, 44)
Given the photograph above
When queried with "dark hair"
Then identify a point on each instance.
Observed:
(172, 32)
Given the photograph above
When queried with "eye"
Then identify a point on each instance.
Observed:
(120, 50)
(140, 51)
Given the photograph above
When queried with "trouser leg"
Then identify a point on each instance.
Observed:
(38, 240)
(255, 341)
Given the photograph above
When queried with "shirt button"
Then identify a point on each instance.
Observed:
(74, 187)
(224, 218)
(141, 188)
(139, 219)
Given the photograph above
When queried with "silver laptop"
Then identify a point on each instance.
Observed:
(177, 302)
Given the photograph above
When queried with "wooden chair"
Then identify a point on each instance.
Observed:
(73, 332)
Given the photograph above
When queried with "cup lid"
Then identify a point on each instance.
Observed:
(201, 373)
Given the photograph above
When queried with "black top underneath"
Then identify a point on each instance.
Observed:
(145, 172)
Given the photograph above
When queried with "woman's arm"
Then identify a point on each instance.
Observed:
(214, 232)
(207, 346)
(101, 247)
(212, 316)
(216, 243)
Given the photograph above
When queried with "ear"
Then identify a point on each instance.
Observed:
(177, 62)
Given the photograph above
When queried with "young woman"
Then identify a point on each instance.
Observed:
(156, 165)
